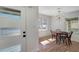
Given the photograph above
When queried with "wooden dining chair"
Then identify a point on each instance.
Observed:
(68, 38)
(53, 34)
(63, 37)
(58, 38)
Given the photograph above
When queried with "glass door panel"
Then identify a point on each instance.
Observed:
(10, 30)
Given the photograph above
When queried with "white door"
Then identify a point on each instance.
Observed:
(29, 24)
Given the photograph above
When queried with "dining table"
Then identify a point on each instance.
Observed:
(60, 36)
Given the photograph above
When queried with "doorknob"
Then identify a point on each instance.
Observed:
(24, 33)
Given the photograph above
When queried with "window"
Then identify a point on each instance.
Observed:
(43, 25)
(44, 22)
(73, 24)
(9, 17)
(9, 22)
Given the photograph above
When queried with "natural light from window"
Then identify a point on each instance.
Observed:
(45, 42)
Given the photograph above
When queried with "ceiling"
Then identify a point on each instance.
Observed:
(52, 10)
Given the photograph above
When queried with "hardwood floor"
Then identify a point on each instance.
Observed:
(53, 47)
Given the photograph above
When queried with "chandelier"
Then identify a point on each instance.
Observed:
(59, 13)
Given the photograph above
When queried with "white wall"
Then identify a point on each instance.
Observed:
(72, 14)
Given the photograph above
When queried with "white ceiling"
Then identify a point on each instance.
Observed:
(52, 10)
